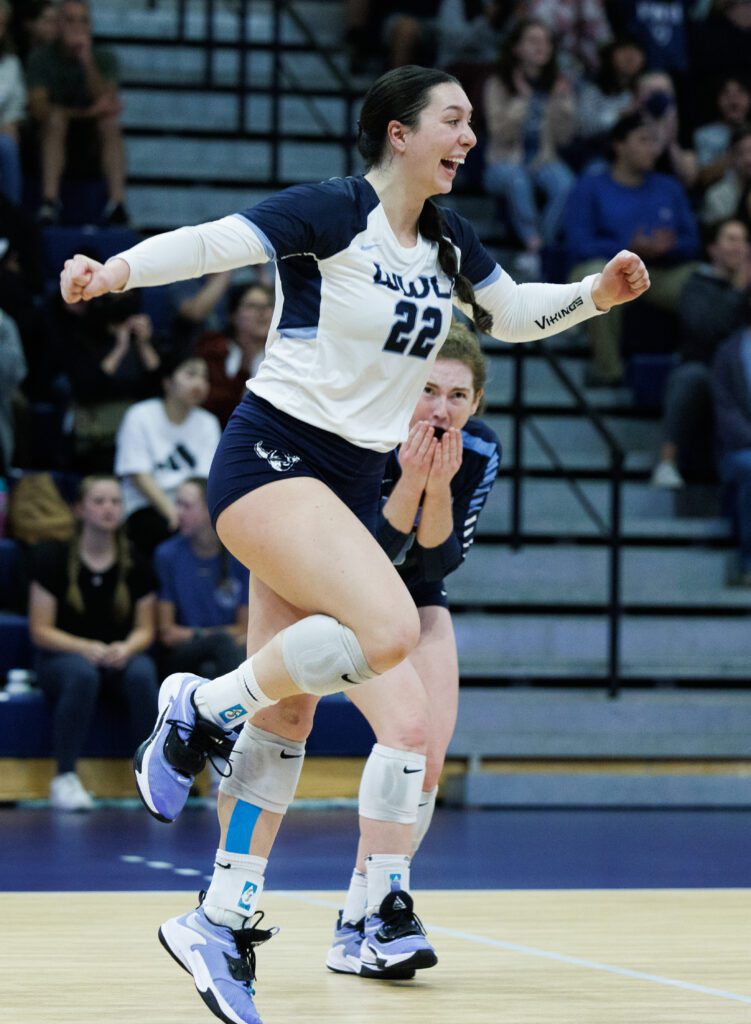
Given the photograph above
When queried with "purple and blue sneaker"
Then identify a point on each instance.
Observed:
(394, 939)
(344, 955)
(221, 960)
(167, 762)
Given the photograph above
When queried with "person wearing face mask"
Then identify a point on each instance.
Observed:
(160, 443)
(368, 271)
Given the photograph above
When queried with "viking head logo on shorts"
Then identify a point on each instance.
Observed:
(280, 461)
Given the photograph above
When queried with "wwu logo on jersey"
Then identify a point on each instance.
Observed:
(280, 461)
(548, 321)
(417, 289)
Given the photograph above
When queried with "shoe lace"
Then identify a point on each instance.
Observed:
(246, 939)
(398, 923)
(204, 741)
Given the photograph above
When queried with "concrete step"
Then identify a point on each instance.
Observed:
(576, 441)
(571, 575)
(574, 647)
(552, 507)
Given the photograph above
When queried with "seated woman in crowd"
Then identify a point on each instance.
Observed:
(161, 443)
(203, 593)
(234, 355)
(92, 617)
(611, 93)
(530, 114)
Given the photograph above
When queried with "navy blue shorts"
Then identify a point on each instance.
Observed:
(261, 444)
(433, 593)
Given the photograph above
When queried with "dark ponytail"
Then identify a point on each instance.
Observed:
(401, 95)
(432, 227)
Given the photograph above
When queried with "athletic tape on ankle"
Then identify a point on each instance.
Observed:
(322, 656)
(265, 769)
(391, 785)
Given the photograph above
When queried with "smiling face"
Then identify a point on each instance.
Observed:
(448, 398)
(434, 150)
(101, 505)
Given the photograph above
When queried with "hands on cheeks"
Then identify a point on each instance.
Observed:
(83, 278)
(622, 279)
(427, 462)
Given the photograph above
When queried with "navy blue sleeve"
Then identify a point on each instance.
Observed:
(470, 489)
(476, 264)
(318, 220)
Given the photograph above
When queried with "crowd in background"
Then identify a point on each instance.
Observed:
(601, 124)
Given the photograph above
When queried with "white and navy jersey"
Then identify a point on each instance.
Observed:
(470, 487)
(359, 318)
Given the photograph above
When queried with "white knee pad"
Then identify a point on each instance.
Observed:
(391, 785)
(322, 656)
(265, 769)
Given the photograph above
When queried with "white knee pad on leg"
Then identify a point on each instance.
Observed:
(265, 769)
(391, 785)
(322, 656)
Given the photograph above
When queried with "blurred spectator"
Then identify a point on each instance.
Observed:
(714, 304)
(630, 206)
(203, 593)
(721, 43)
(530, 113)
(39, 25)
(470, 35)
(12, 372)
(712, 141)
(197, 305)
(662, 28)
(21, 287)
(611, 93)
(235, 356)
(656, 99)
(161, 442)
(580, 28)
(72, 92)
(729, 196)
(410, 31)
(110, 359)
(92, 611)
(12, 109)
(731, 391)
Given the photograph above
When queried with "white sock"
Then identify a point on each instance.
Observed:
(425, 810)
(236, 887)
(383, 869)
(231, 699)
(356, 900)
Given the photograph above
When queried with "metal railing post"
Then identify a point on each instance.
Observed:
(517, 413)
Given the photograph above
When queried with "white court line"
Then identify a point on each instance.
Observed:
(545, 954)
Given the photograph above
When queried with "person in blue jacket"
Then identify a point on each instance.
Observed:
(630, 206)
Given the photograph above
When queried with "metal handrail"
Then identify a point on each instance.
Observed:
(613, 532)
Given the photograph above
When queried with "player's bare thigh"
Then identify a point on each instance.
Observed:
(296, 536)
